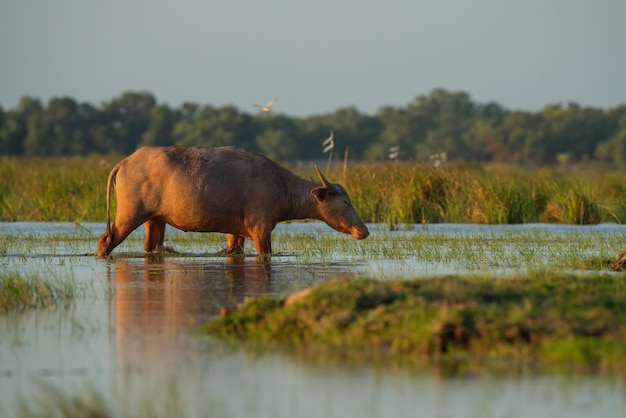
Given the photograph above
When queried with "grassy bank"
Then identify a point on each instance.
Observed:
(572, 320)
(73, 189)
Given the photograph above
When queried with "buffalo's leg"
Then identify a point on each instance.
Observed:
(119, 232)
(263, 241)
(155, 235)
(235, 244)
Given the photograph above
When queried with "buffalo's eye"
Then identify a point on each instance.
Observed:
(347, 202)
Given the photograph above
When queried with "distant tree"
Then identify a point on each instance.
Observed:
(94, 130)
(127, 117)
(61, 128)
(452, 115)
(483, 142)
(522, 138)
(12, 132)
(2, 128)
(491, 112)
(401, 127)
(216, 127)
(276, 144)
(614, 148)
(278, 137)
(161, 122)
(35, 139)
(189, 111)
(377, 152)
(311, 132)
(430, 125)
(355, 131)
(573, 131)
(441, 121)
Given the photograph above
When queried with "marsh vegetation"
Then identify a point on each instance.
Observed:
(73, 190)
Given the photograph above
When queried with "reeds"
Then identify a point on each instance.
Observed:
(53, 189)
(412, 193)
(73, 189)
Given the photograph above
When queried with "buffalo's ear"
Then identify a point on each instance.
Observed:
(320, 193)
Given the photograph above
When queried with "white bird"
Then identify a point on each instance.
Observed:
(329, 143)
(268, 106)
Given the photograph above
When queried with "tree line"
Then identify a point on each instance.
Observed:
(440, 122)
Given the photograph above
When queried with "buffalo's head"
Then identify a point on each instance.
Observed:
(335, 208)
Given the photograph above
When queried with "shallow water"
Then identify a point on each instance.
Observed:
(130, 335)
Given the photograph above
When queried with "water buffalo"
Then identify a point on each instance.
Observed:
(224, 189)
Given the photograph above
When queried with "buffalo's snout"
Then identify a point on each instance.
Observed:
(360, 232)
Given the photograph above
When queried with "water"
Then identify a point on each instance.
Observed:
(131, 338)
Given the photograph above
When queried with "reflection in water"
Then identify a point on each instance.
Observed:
(161, 293)
(158, 293)
(159, 300)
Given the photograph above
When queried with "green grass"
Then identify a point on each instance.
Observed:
(30, 290)
(475, 250)
(73, 189)
(410, 193)
(576, 320)
(53, 189)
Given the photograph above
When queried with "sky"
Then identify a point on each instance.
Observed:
(315, 56)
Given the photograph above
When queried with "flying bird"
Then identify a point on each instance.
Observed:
(268, 106)
(329, 143)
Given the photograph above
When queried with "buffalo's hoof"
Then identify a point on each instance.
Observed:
(165, 249)
(236, 250)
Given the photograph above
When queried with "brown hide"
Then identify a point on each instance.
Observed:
(224, 189)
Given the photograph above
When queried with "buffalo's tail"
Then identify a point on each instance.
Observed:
(110, 183)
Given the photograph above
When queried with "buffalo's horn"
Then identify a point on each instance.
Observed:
(330, 186)
(325, 182)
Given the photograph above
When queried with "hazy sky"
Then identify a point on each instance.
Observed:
(316, 56)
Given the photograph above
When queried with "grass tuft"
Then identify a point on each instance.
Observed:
(20, 292)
